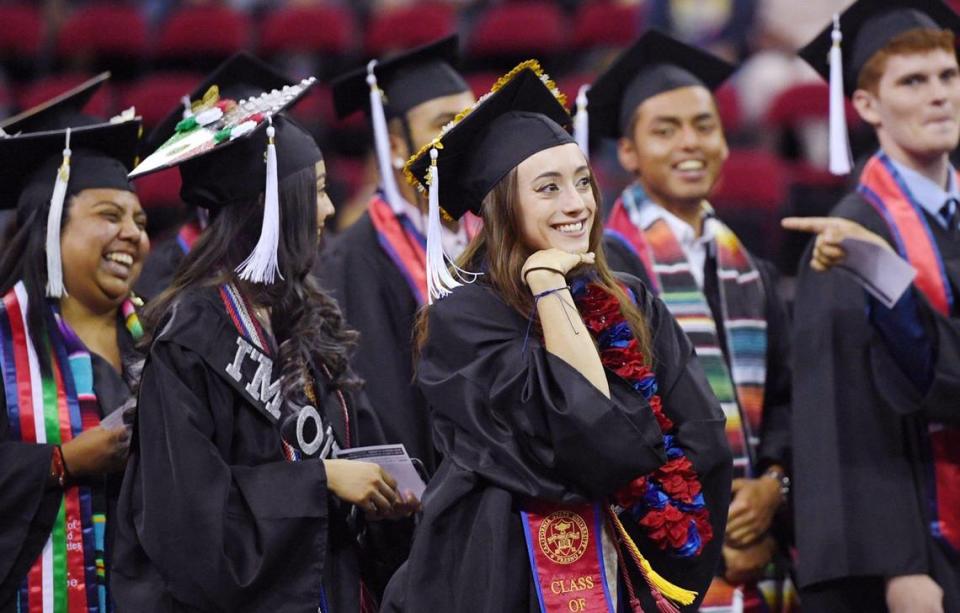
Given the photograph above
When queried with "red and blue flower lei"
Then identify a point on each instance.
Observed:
(668, 503)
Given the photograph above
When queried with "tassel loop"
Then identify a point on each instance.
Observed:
(840, 158)
(262, 265)
(381, 142)
(581, 121)
(55, 286)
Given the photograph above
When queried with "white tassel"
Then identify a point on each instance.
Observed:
(381, 142)
(261, 266)
(55, 288)
(840, 158)
(187, 106)
(581, 122)
(440, 281)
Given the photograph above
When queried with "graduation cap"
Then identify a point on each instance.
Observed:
(656, 63)
(867, 26)
(391, 87)
(53, 165)
(58, 113)
(240, 76)
(220, 153)
(523, 114)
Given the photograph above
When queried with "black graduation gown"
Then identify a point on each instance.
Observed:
(28, 508)
(514, 424)
(211, 515)
(775, 442)
(377, 302)
(159, 268)
(859, 505)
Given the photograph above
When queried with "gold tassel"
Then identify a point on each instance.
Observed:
(669, 590)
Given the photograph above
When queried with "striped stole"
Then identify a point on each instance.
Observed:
(52, 409)
(737, 379)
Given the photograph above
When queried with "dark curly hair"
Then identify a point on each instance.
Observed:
(308, 326)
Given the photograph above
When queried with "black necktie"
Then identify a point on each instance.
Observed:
(948, 212)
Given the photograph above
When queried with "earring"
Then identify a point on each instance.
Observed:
(397, 163)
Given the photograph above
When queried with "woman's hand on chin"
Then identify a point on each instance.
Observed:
(550, 267)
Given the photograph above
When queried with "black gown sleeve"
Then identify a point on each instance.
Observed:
(222, 529)
(775, 442)
(28, 507)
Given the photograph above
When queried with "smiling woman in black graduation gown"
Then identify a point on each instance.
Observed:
(67, 358)
(231, 500)
(550, 418)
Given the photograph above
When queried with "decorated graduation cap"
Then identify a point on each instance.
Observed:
(50, 166)
(391, 87)
(843, 48)
(60, 112)
(655, 64)
(523, 114)
(229, 151)
(240, 76)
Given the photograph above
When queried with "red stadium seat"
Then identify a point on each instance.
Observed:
(532, 27)
(606, 24)
(406, 27)
(802, 102)
(21, 30)
(160, 189)
(314, 29)
(108, 29)
(481, 82)
(154, 96)
(316, 108)
(203, 30)
(728, 106)
(101, 105)
(752, 179)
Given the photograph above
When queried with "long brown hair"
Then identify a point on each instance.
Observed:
(502, 265)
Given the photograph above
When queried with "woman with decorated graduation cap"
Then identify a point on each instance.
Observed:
(68, 327)
(239, 76)
(585, 464)
(232, 499)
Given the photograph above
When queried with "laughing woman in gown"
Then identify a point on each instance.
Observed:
(586, 467)
(68, 327)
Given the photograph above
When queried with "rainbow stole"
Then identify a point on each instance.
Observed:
(739, 387)
(882, 187)
(565, 548)
(52, 409)
(406, 246)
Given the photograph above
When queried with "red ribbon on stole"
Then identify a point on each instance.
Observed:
(566, 555)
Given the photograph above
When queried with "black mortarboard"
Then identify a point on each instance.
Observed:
(519, 118)
(240, 76)
(102, 155)
(408, 79)
(655, 64)
(58, 113)
(867, 26)
(523, 114)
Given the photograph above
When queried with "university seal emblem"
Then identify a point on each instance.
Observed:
(563, 537)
